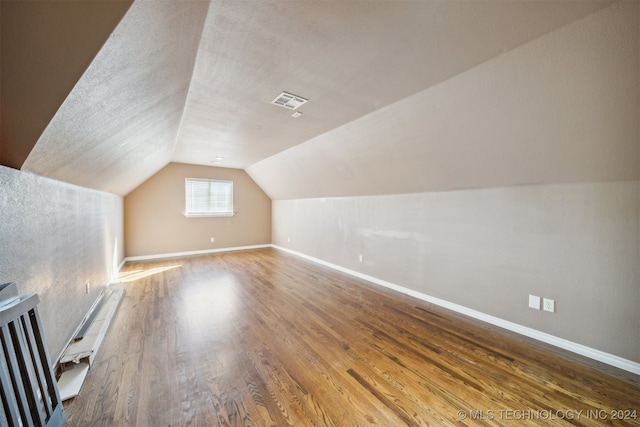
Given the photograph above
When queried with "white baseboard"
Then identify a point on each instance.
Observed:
(188, 253)
(601, 356)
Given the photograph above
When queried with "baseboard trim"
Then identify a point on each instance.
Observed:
(189, 253)
(601, 356)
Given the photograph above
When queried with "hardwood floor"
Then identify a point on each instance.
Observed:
(264, 338)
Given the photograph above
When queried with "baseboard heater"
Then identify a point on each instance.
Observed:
(30, 395)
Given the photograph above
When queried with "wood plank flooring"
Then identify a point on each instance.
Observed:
(263, 338)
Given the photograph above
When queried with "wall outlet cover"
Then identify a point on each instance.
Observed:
(549, 305)
(534, 302)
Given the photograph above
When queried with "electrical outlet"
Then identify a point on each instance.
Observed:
(87, 287)
(549, 305)
(213, 239)
(361, 258)
(534, 302)
(288, 239)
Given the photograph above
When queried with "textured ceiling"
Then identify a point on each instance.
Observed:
(45, 46)
(562, 108)
(348, 58)
(192, 80)
(118, 125)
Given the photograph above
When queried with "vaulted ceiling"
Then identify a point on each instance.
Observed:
(103, 94)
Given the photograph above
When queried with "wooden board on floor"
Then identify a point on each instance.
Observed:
(71, 380)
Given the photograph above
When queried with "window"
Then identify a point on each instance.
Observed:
(208, 197)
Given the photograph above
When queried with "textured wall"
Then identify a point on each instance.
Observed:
(489, 249)
(155, 221)
(54, 238)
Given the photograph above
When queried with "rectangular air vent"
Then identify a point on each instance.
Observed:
(289, 101)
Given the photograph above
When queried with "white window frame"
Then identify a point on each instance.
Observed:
(212, 211)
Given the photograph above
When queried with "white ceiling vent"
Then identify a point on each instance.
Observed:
(289, 101)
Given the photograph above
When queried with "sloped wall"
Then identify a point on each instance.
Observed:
(520, 176)
(56, 237)
(46, 46)
(119, 123)
(563, 108)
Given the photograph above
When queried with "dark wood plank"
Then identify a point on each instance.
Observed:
(262, 338)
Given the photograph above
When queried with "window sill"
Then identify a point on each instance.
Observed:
(210, 215)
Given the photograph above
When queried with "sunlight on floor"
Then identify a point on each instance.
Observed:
(130, 276)
(211, 303)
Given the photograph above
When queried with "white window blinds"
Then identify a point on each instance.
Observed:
(208, 197)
